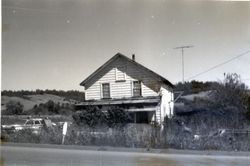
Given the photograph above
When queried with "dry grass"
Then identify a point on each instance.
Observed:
(175, 135)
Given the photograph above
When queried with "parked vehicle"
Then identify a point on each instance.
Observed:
(34, 124)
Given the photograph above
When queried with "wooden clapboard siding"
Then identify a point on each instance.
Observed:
(121, 89)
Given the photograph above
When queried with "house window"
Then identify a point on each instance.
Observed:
(136, 88)
(105, 90)
(120, 74)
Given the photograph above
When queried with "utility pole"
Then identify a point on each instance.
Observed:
(182, 54)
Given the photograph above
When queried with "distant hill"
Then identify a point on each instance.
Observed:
(31, 98)
(187, 103)
(201, 95)
(29, 101)
(71, 94)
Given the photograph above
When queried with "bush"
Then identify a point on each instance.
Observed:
(13, 108)
(117, 115)
(94, 116)
(231, 93)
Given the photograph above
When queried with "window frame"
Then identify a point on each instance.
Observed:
(133, 88)
(102, 94)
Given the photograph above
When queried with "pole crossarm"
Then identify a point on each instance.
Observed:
(182, 47)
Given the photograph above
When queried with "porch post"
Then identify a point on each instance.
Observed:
(155, 120)
(135, 118)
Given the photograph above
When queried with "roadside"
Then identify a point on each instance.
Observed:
(135, 150)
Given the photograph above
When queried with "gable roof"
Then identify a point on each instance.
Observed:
(119, 55)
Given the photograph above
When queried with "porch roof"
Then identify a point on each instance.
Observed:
(122, 101)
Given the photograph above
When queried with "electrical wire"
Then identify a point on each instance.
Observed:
(218, 65)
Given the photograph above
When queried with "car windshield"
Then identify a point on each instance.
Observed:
(37, 122)
(29, 122)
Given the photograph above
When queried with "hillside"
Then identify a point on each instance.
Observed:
(29, 101)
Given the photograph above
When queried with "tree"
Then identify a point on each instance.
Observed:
(231, 92)
(52, 107)
(14, 108)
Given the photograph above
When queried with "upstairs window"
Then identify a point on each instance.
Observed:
(105, 91)
(120, 74)
(137, 88)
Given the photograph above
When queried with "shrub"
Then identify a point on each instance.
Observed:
(13, 108)
(231, 92)
(117, 115)
(93, 116)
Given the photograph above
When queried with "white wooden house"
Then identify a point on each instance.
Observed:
(123, 82)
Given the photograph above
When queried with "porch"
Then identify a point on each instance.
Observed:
(141, 109)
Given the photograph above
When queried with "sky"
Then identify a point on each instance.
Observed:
(56, 44)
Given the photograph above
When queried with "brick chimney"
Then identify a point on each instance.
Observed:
(133, 57)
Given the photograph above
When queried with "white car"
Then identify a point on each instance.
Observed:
(35, 124)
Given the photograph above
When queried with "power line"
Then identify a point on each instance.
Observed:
(216, 66)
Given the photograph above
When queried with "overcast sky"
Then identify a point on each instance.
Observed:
(56, 44)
